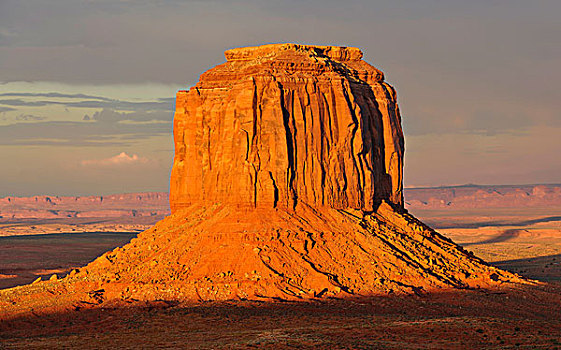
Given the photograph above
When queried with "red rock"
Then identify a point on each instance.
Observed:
(279, 125)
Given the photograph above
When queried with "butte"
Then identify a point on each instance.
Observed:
(286, 185)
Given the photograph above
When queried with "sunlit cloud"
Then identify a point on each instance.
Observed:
(118, 160)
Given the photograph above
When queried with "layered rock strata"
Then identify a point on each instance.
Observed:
(278, 125)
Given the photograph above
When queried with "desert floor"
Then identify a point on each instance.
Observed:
(522, 240)
(526, 241)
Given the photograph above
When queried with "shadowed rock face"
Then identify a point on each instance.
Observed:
(278, 125)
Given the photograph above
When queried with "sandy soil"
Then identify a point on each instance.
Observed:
(40, 226)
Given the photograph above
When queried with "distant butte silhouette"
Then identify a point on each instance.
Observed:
(286, 185)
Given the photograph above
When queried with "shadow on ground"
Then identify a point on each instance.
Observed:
(25, 258)
(506, 235)
(542, 268)
(524, 317)
(438, 224)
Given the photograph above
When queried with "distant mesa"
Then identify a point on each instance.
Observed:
(111, 206)
(483, 196)
(287, 184)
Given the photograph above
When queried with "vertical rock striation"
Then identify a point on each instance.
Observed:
(283, 124)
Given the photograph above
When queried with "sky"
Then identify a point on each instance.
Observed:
(87, 88)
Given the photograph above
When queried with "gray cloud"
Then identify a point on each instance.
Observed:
(438, 54)
(162, 41)
(106, 129)
(161, 104)
(29, 117)
(464, 70)
(446, 119)
(20, 103)
(116, 104)
(108, 126)
(54, 94)
(111, 116)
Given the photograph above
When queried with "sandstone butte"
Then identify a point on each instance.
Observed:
(286, 185)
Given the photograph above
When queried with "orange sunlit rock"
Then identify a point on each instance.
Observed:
(279, 125)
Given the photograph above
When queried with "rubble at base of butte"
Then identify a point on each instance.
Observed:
(286, 185)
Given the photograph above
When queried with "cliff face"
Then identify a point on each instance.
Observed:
(278, 125)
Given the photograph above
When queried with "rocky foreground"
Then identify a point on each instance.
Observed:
(525, 318)
(325, 253)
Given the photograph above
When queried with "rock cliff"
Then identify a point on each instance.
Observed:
(278, 125)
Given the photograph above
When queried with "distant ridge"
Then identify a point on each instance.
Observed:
(479, 186)
(115, 205)
(157, 203)
(483, 196)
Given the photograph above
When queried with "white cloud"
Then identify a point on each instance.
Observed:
(118, 160)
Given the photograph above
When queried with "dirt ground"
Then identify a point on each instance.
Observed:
(524, 241)
(508, 319)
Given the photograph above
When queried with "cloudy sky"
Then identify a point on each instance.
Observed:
(87, 87)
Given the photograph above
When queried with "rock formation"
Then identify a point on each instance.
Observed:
(277, 125)
(287, 184)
